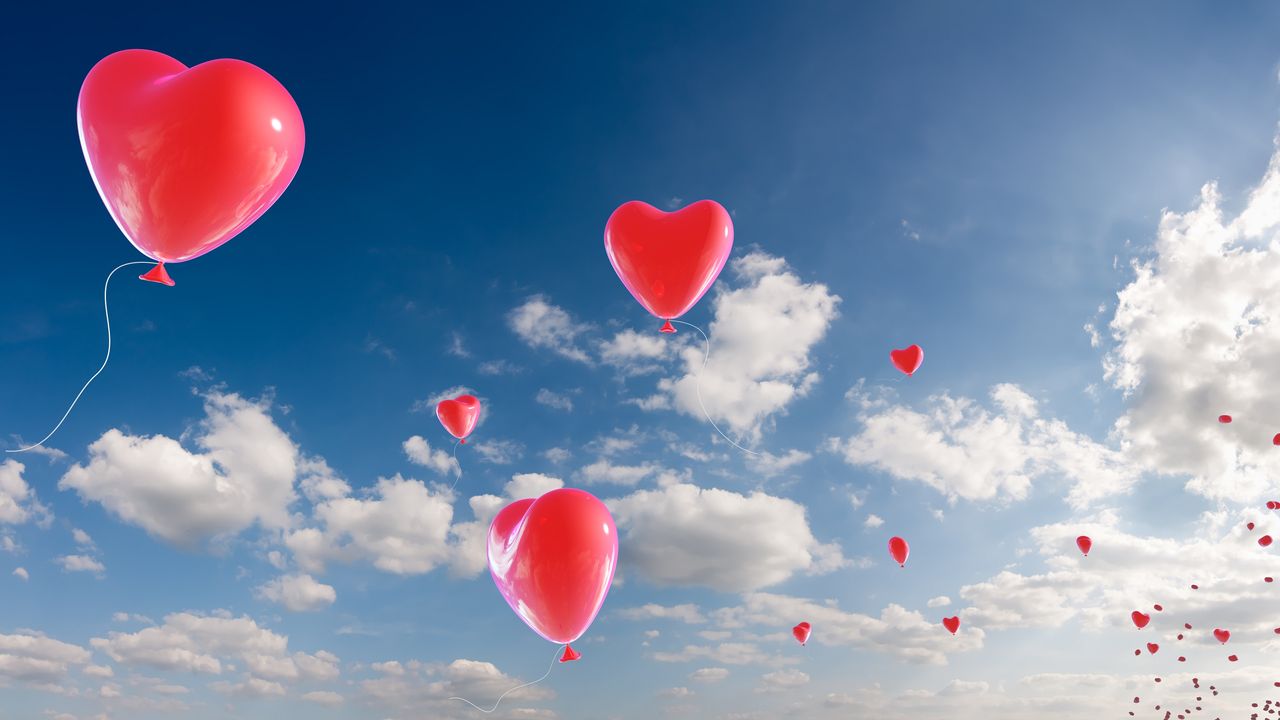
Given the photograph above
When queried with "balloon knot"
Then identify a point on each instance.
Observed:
(667, 327)
(157, 274)
(569, 654)
(462, 441)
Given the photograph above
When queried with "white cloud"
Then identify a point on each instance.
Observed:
(22, 574)
(319, 482)
(420, 452)
(636, 353)
(498, 367)
(555, 400)
(402, 528)
(18, 502)
(769, 465)
(498, 452)
(244, 475)
(676, 693)
(32, 658)
(99, 671)
(603, 472)
(729, 653)
(80, 563)
(761, 338)
(686, 613)
(556, 455)
(422, 689)
(873, 521)
(782, 681)
(685, 535)
(542, 325)
(324, 697)
(531, 485)
(457, 347)
(1197, 334)
(709, 674)
(82, 538)
(298, 593)
(967, 451)
(937, 602)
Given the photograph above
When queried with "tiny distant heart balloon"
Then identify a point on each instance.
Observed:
(459, 415)
(552, 559)
(1152, 648)
(1224, 419)
(952, 624)
(801, 632)
(908, 360)
(1084, 543)
(186, 158)
(668, 261)
(1140, 619)
(1221, 635)
(899, 550)
(1264, 541)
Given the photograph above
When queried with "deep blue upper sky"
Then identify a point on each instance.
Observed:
(963, 175)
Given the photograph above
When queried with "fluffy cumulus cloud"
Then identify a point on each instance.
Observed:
(1127, 571)
(686, 613)
(968, 451)
(212, 645)
(420, 452)
(416, 689)
(762, 334)
(542, 325)
(242, 473)
(298, 593)
(33, 658)
(1196, 334)
(681, 534)
(18, 502)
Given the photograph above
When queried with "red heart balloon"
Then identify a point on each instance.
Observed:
(668, 260)
(1152, 648)
(1265, 540)
(801, 632)
(900, 550)
(1084, 543)
(186, 158)
(951, 623)
(1140, 619)
(552, 559)
(1222, 635)
(908, 360)
(459, 415)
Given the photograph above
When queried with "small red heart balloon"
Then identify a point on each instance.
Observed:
(899, 549)
(1275, 440)
(1140, 619)
(801, 632)
(459, 415)
(1152, 648)
(668, 261)
(1249, 525)
(1085, 544)
(1232, 658)
(908, 360)
(186, 158)
(552, 559)
(1264, 541)
(952, 624)
(1222, 635)
(1224, 419)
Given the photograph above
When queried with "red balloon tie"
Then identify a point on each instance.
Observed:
(157, 274)
(570, 654)
(106, 312)
(518, 687)
(667, 327)
(705, 357)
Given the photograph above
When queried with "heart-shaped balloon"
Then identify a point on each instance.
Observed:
(1085, 544)
(1152, 648)
(1222, 635)
(668, 260)
(1140, 619)
(186, 158)
(908, 360)
(459, 415)
(552, 559)
(899, 550)
(801, 632)
(952, 624)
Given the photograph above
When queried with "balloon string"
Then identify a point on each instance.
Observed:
(698, 387)
(518, 687)
(106, 311)
(457, 477)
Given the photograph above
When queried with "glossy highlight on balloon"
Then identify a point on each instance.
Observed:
(668, 261)
(459, 415)
(186, 158)
(899, 550)
(552, 559)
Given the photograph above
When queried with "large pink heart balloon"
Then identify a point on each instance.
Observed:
(552, 559)
(186, 158)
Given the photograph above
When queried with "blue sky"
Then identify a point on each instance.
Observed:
(979, 179)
